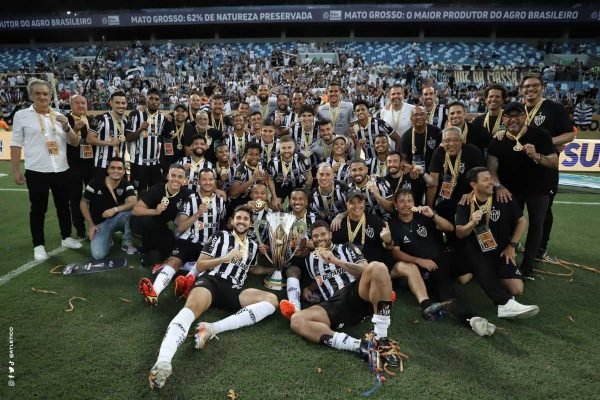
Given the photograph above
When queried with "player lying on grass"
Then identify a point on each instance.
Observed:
(352, 289)
(223, 267)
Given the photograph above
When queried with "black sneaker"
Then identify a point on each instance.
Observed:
(381, 353)
(435, 311)
(527, 272)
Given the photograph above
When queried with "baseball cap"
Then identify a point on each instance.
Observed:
(514, 106)
(354, 193)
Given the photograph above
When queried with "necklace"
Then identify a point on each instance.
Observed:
(352, 233)
(454, 169)
(486, 123)
(518, 146)
(414, 147)
(165, 200)
(485, 208)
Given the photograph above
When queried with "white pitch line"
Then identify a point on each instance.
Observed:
(13, 190)
(582, 203)
(26, 267)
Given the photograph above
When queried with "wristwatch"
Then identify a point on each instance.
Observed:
(514, 244)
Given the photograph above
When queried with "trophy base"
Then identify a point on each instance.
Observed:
(275, 281)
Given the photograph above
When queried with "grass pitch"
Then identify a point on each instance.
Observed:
(106, 346)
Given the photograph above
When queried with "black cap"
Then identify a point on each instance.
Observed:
(180, 105)
(515, 105)
(354, 193)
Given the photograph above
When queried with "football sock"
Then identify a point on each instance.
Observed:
(176, 334)
(425, 303)
(293, 291)
(340, 341)
(163, 279)
(380, 325)
(246, 316)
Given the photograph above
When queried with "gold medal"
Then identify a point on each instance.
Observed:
(164, 201)
(317, 252)
(518, 147)
(206, 200)
(259, 204)
(121, 137)
(179, 146)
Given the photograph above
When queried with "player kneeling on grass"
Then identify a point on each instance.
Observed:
(202, 215)
(223, 267)
(352, 289)
(106, 206)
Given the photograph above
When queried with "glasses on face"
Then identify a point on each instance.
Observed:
(532, 86)
(457, 140)
(513, 116)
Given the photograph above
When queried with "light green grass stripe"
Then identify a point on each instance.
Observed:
(26, 267)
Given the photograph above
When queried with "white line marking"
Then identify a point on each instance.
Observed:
(26, 267)
(13, 190)
(3, 175)
(583, 203)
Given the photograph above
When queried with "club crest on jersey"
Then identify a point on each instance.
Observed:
(370, 232)
(422, 231)
(119, 191)
(431, 143)
(406, 239)
(539, 119)
(180, 204)
(461, 168)
(495, 215)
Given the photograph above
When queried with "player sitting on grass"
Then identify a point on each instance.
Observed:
(223, 267)
(352, 289)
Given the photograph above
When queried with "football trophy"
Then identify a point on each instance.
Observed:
(285, 234)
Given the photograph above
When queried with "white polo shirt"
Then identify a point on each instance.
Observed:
(28, 135)
(399, 120)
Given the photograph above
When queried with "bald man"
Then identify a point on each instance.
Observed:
(264, 105)
(80, 159)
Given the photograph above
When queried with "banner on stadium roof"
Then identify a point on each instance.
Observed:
(303, 14)
(5, 137)
(581, 155)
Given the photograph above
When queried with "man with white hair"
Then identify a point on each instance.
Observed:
(43, 134)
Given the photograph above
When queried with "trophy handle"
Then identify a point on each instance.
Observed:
(297, 232)
(257, 225)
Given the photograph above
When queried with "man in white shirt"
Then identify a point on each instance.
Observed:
(398, 112)
(44, 135)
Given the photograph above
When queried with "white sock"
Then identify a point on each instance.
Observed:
(380, 325)
(176, 334)
(246, 316)
(342, 341)
(193, 271)
(163, 279)
(293, 291)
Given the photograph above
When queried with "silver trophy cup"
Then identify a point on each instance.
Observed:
(285, 234)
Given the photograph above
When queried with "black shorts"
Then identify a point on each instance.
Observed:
(186, 251)
(346, 308)
(145, 176)
(507, 270)
(295, 262)
(225, 294)
(493, 261)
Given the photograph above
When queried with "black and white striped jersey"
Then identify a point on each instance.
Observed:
(146, 149)
(260, 215)
(225, 176)
(288, 118)
(269, 151)
(343, 172)
(377, 167)
(327, 206)
(243, 173)
(193, 173)
(375, 126)
(106, 128)
(329, 277)
(209, 223)
(371, 203)
(304, 139)
(438, 116)
(237, 144)
(222, 243)
(289, 174)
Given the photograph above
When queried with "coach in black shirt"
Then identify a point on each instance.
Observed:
(521, 164)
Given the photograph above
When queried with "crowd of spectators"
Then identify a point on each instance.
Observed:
(183, 70)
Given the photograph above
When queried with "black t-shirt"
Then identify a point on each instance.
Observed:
(516, 171)
(554, 119)
(154, 195)
(419, 237)
(74, 156)
(168, 136)
(503, 219)
(478, 136)
(470, 157)
(211, 135)
(100, 199)
(434, 139)
(417, 186)
(372, 247)
(479, 122)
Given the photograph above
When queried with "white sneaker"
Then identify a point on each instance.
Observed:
(204, 333)
(514, 309)
(482, 327)
(159, 374)
(71, 243)
(39, 253)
